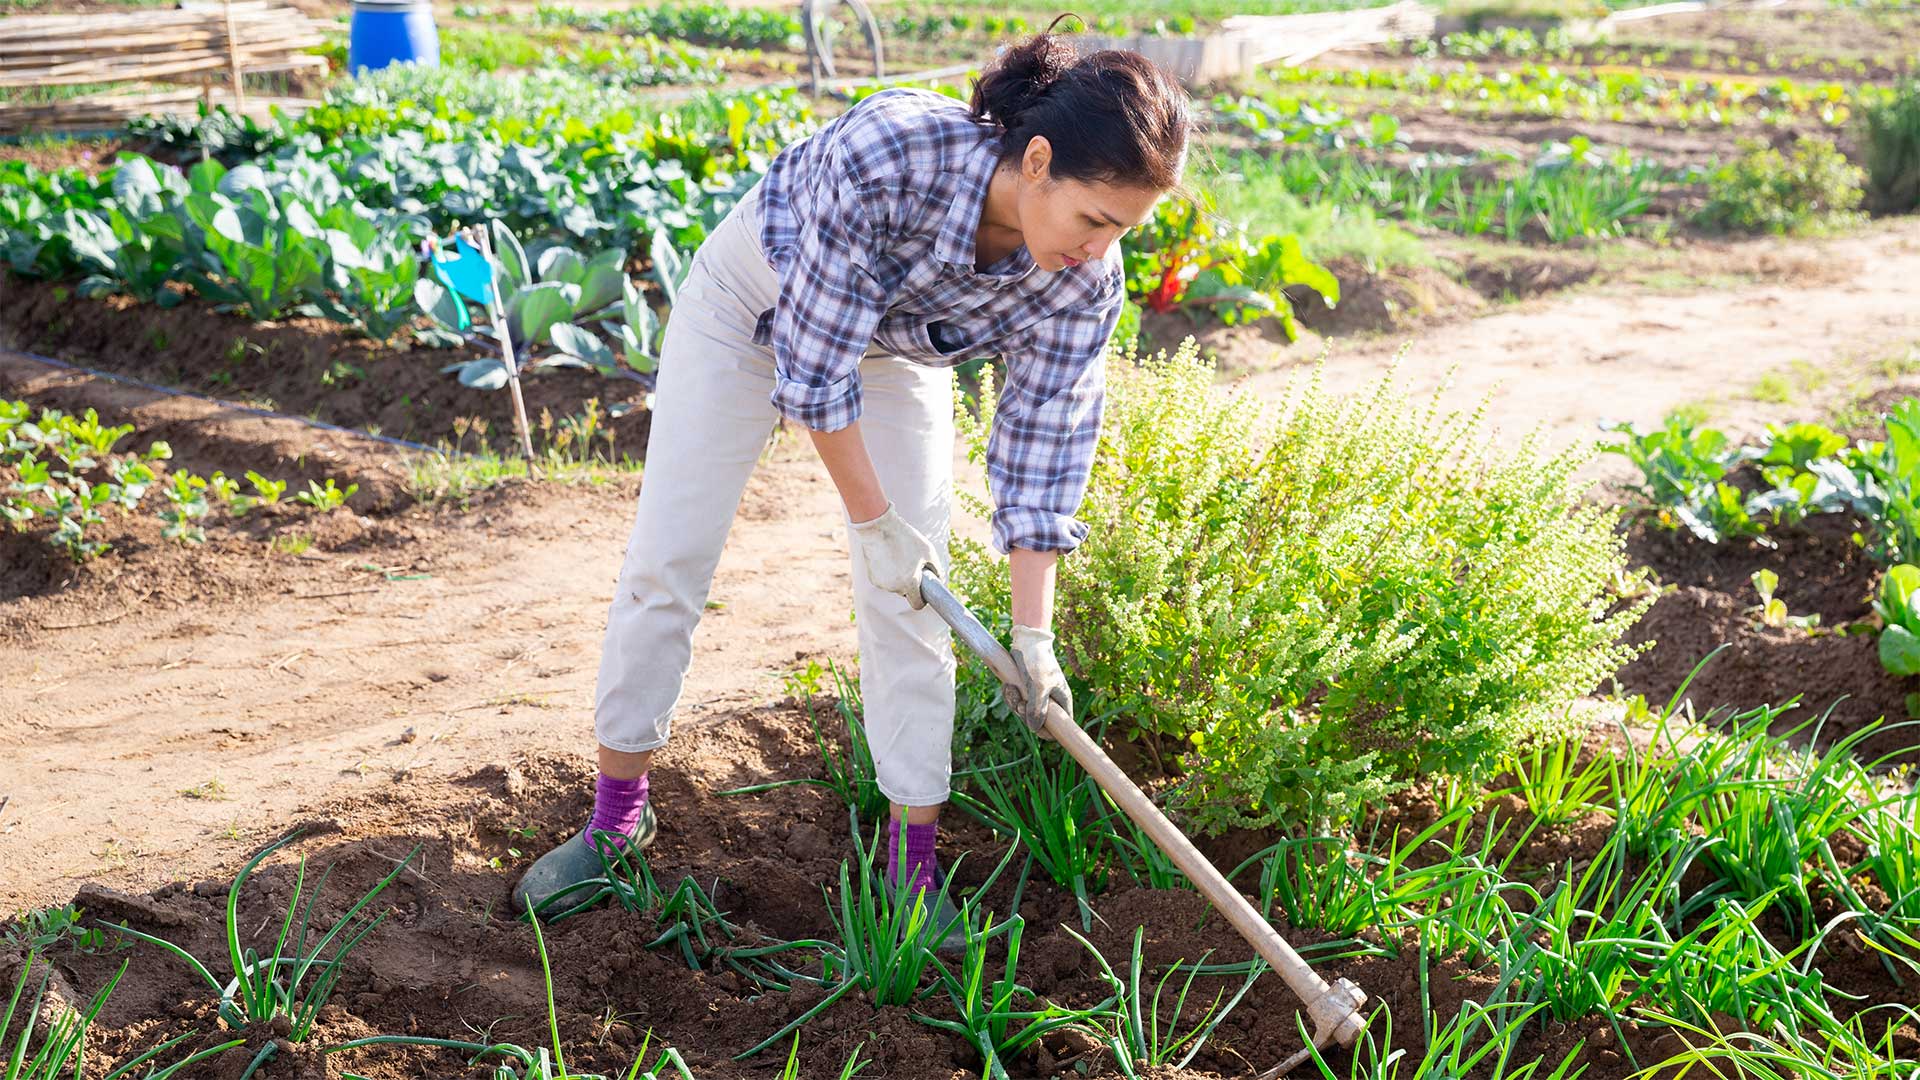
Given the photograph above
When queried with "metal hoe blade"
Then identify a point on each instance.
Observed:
(1333, 1008)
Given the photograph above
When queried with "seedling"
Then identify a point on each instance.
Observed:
(266, 988)
(266, 493)
(325, 499)
(1772, 610)
(1898, 606)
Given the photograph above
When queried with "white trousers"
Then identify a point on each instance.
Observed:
(712, 418)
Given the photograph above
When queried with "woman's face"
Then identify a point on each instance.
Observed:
(1067, 222)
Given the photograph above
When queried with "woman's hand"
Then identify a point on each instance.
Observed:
(892, 550)
(1033, 576)
(1045, 683)
(896, 555)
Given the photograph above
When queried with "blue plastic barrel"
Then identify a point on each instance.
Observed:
(392, 32)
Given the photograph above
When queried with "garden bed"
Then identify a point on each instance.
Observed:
(303, 367)
(1711, 603)
(448, 964)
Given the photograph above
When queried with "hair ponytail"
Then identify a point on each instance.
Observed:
(1112, 116)
(1019, 77)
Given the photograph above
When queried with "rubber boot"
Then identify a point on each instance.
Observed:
(947, 914)
(573, 862)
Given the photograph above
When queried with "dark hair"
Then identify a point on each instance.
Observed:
(1112, 116)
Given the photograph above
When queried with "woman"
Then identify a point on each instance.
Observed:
(912, 233)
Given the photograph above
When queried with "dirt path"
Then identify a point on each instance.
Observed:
(154, 747)
(1623, 351)
(160, 746)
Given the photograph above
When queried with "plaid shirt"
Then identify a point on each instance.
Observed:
(869, 224)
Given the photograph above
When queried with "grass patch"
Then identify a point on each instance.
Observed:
(576, 449)
(1782, 386)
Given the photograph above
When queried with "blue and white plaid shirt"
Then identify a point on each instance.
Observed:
(870, 225)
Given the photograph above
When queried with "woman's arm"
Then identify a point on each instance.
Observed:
(845, 454)
(1033, 575)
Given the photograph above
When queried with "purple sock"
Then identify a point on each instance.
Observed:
(616, 806)
(920, 857)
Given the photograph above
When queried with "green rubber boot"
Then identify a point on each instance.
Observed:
(947, 914)
(954, 941)
(573, 862)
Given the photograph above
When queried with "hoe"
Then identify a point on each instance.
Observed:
(1334, 1009)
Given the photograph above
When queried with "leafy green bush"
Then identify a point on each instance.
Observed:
(1314, 605)
(1892, 147)
(1814, 189)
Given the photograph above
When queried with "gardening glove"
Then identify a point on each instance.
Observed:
(895, 555)
(1041, 675)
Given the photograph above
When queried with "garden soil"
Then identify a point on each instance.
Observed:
(448, 963)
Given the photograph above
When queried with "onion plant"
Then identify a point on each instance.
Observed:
(1317, 882)
(1454, 1050)
(62, 1047)
(1891, 832)
(1053, 807)
(1138, 1042)
(685, 918)
(1836, 1051)
(514, 1062)
(1727, 965)
(1555, 787)
(275, 986)
(851, 776)
(1583, 948)
(1774, 809)
(1138, 854)
(1456, 900)
(888, 934)
(999, 1019)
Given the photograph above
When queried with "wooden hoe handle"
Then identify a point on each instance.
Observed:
(1334, 1009)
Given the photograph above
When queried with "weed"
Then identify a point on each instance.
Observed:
(206, 789)
(40, 929)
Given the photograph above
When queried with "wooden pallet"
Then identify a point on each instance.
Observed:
(192, 45)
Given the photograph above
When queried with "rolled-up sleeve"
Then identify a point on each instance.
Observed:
(828, 308)
(1046, 427)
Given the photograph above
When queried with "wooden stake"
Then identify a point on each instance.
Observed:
(484, 241)
(233, 65)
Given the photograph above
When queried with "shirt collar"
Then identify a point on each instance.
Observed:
(960, 227)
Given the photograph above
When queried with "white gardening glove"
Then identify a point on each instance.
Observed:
(1033, 655)
(895, 555)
